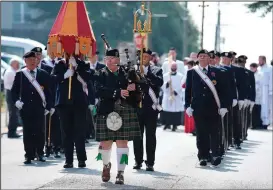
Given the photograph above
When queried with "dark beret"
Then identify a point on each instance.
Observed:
(37, 50)
(172, 48)
(242, 57)
(212, 54)
(233, 52)
(148, 51)
(112, 53)
(154, 54)
(29, 54)
(203, 51)
(254, 65)
(216, 53)
(226, 54)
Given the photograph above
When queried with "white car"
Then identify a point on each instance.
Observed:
(4, 67)
(7, 57)
(19, 46)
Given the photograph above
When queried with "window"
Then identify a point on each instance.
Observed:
(13, 50)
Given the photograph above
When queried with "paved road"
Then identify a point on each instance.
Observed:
(176, 167)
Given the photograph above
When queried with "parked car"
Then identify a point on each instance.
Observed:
(4, 67)
(19, 46)
(7, 57)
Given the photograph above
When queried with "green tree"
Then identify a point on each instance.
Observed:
(264, 6)
(115, 20)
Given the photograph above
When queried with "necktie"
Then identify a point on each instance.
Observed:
(205, 70)
(53, 61)
(32, 73)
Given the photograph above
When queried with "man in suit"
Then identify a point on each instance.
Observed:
(72, 109)
(250, 93)
(232, 102)
(148, 113)
(54, 139)
(41, 64)
(32, 94)
(206, 99)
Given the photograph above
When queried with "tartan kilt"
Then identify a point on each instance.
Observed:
(130, 129)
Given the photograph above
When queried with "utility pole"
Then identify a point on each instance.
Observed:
(203, 17)
(217, 32)
(185, 32)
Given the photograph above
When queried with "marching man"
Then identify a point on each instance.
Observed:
(172, 103)
(33, 98)
(206, 99)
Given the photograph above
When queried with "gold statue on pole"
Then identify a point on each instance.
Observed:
(144, 29)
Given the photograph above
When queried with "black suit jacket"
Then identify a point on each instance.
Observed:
(78, 97)
(240, 82)
(250, 85)
(154, 79)
(198, 95)
(29, 95)
(230, 77)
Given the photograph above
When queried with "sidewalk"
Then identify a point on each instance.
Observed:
(4, 121)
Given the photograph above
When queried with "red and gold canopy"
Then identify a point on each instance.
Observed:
(72, 31)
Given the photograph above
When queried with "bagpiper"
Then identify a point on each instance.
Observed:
(117, 119)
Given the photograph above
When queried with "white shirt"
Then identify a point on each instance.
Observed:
(93, 66)
(201, 68)
(9, 77)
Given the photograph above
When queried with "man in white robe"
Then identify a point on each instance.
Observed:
(172, 103)
(166, 66)
(266, 80)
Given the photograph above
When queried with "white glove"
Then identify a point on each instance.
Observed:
(145, 70)
(251, 106)
(19, 104)
(68, 73)
(223, 112)
(52, 110)
(73, 62)
(234, 103)
(91, 107)
(96, 101)
(46, 112)
(245, 103)
(241, 104)
(189, 111)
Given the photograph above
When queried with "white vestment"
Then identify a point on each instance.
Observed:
(176, 105)
(266, 88)
(258, 85)
(166, 67)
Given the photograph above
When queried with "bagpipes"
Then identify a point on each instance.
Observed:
(133, 75)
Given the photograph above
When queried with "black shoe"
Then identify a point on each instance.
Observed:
(41, 158)
(203, 162)
(150, 168)
(81, 164)
(68, 165)
(216, 161)
(238, 147)
(14, 136)
(57, 155)
(174, 128)
(137, 166)
(166, 127)
(27, 161)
